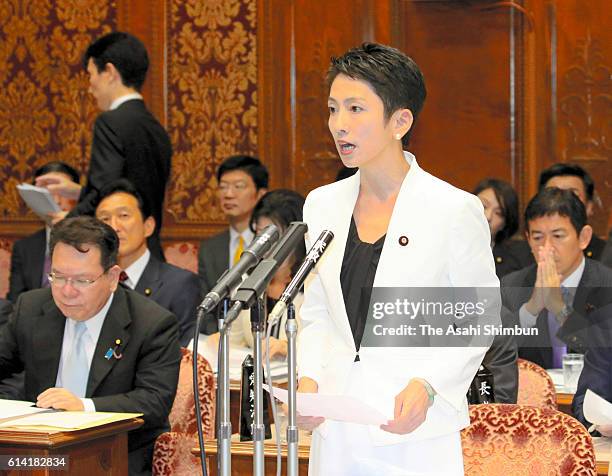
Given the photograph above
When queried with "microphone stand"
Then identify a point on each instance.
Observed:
(259, 433)
(224, 437)
(292, 429)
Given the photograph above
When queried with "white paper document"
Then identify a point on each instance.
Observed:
(60, 419)
(597, 410)
(208, 349)
(334, 407)
(10, 409)
(38, 199)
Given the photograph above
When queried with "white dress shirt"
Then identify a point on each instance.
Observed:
(120, 100)
(135, 270)
(571, 283)
(90, 339)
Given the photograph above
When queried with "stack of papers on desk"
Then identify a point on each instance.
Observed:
(23, 415)
(38, 199)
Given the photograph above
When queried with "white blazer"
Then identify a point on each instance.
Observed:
(448, 246)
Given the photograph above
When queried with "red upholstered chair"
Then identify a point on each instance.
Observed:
(172, 453)
(535, 387)
(516, 440)
(183, 254)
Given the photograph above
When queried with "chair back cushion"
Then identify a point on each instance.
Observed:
(516, 440)
(535, 387)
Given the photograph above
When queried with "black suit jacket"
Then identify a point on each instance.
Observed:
(144, 380)
(592, 293)
(511, 255)
(27, 263)
(213, 260)
(175, 289)
(128, 142)
(606, 255)
(596, 376)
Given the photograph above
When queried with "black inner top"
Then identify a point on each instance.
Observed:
(357, 278)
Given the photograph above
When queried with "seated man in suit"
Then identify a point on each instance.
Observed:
(575, 178)
(557, 295)
(89, 344)
(176, 289)
(597, 377)
(29, 258)
(242, 181)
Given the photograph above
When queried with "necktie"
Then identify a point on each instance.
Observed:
(123, 276)
(76, 367)
(44, 283)
(559, 349)
(239, 250)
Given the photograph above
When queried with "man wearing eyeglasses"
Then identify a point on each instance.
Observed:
(87, 344)
(242, 181)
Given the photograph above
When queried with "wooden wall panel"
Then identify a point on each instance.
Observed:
(464, 132)
(295, 53)
(583, 81)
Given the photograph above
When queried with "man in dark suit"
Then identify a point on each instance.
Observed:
(557, 296)
(597, 377)
(173, 288)
(242, 181)
(606, 255)
(128, 141)
(573, 177)
(29, 257)
(87, 344)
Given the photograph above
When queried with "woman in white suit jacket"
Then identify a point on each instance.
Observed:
(434, 235)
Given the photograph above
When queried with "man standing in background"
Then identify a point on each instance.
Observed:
(128, 142)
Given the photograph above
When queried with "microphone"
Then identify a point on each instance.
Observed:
(258, 281)
(316, 251)
(249, 258)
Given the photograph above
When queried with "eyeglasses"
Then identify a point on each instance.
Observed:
(80, 283)
(236, 186)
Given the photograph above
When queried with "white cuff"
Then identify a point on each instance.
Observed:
(88, 404)
(526, 318)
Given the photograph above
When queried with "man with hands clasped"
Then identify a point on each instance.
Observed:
(558, 295)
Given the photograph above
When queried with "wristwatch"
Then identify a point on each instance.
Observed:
(431, 393)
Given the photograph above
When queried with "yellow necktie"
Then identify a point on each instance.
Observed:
(239, 249)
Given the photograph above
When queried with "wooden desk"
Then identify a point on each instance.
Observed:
(564, 402)
(242, 456)
(95, 451)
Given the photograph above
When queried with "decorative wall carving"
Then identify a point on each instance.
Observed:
(586, 104)
(45, 110)
(212, 99)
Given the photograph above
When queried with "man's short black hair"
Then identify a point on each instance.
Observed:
(123, 185)
(564, 169)
(59, 167)
(395, 77)
(250, 165)
(81, 231)
(553, 200)
(125, 52)
(508, 202)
